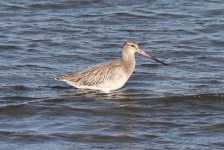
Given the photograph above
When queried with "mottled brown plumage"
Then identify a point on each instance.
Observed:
(107, 76)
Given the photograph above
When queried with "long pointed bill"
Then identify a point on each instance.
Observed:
(147, 55)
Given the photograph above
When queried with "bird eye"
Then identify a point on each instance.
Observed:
(132, 45)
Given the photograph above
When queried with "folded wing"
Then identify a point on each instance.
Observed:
(94, 75)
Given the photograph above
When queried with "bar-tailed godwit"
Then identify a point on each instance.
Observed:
(109, 75)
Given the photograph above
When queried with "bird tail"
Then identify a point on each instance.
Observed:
(59, 78)
(65, 77)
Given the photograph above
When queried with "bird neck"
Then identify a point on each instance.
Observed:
(128, 60)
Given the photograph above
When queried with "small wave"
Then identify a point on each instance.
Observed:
(47, 6)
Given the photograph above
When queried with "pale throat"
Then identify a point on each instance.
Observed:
(128, 60)
(128, 57)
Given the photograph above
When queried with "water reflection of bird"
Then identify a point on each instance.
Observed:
(110, 75)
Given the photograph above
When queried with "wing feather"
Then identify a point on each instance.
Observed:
(94, 75)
